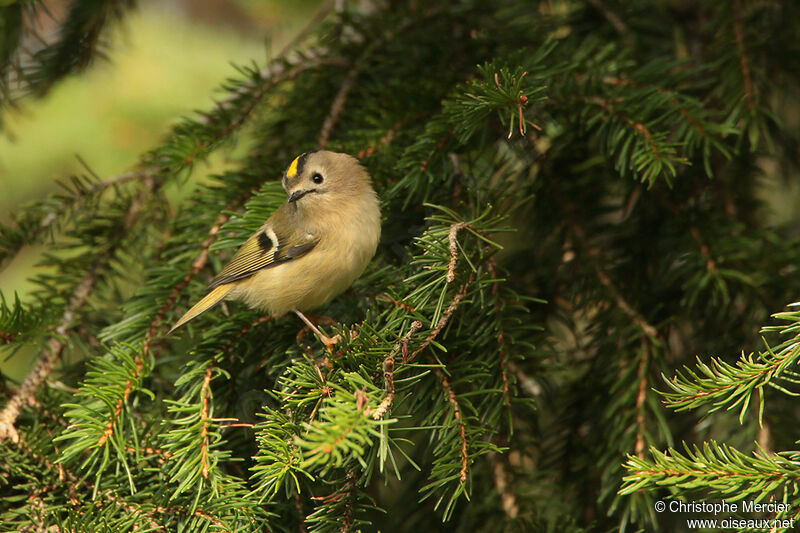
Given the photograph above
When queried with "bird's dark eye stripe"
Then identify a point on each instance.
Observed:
(264, 241)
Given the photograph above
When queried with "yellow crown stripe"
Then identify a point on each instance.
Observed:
(292, 171)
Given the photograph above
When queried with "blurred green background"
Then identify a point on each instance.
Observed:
(166, 60)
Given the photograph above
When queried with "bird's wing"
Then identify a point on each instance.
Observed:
(270, 246)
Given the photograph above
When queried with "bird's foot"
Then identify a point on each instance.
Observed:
(329, 342)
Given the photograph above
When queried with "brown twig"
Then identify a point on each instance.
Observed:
(640, 128)
(197, 265)
(205, 394)
(394, 302)
(623, 304)
(55, 346)
(298, 505)
(388, 370)
(337, 106)
(273, 74)
(453, 245)
(462, 430)
(501, 352)
(312, 24)
(387, 138)
(462, 291)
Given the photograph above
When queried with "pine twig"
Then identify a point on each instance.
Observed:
(273, 74)
(623, 304)
(197, 265)
(205, 394)
(388, 370)
(337, 106)
(638, 127)
(55, 346)
(501, 352)
(462, 430)
(443, 319)
(705, 251)
(312, 24)
(386, 140)
(75, 481)
(453, 245)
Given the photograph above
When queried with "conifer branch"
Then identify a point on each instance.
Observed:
(501, 352)
(198, 264)
(624, 82)
(462, 431)
(122, 400)
(716, 467)
(227, 349)
(394, 302)
(451, 308)
(638, 127)
(319, 15)
(204, 394)
(26, 393)
(385, 140)
(277, 72)
(623, 304)
(453, 245)
(337, 106)
(723, 385)
(711, 264)
(75, 482)
(388, 369)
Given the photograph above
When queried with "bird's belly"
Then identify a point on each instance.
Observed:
(303, 283)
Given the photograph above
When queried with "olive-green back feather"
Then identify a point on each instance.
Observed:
(277, 241)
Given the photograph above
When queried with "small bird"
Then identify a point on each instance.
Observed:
(311, 249)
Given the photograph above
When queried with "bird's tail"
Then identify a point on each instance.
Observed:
(208, 301)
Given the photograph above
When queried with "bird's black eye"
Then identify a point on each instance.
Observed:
(317, 178)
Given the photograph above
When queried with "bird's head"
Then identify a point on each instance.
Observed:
(325, 180)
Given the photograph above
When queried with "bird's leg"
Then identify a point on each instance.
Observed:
(329, 342)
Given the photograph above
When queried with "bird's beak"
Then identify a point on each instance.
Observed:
(296, 195)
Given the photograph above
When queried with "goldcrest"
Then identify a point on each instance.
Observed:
(311, 249)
